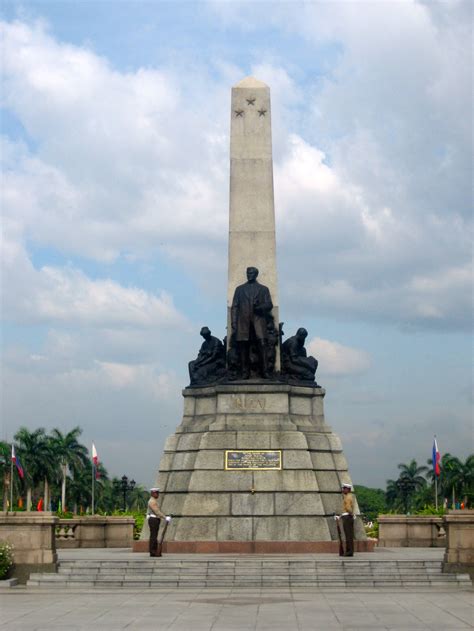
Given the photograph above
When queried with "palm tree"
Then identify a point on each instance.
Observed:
(71, 454)
(392, 494)
(37, 457)
(458, 476)
(414, 472)
(411, 481)
(80, 488)
(138, 498)
(5, 468)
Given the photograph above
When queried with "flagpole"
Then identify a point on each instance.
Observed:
(93, 480)
(436, 475)
(436, 470)
(11, 482)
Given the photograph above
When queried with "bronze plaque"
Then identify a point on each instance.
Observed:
(253, 459)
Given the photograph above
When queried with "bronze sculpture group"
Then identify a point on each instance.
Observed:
(252, 349)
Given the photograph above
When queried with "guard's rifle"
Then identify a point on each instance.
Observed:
(339, 534)
(159, 549)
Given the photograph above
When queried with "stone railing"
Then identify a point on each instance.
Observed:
(66, 533)
(459, 554)
(411, 531)
(33, 540)
(95, 532)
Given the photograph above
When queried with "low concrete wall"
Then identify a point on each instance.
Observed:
(95, 532)
(459, 525)
(33, 538)
(411, 531)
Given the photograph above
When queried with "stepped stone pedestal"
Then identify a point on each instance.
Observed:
(288, 508)
(253, 467)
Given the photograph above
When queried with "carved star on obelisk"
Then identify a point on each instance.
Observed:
(251, 101)
(262, 112)
(239, 113)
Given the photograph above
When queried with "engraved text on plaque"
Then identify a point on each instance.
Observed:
(257, 459)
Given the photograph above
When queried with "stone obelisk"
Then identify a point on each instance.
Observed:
(251, 204)
(253, 466)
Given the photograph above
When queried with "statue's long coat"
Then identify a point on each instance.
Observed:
(250, 306)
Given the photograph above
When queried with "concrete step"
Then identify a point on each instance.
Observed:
(242, 572)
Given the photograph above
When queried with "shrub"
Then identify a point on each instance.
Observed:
(139, 520)
(430, 510)
(64, 514)
(139, 517)
(6, 558)
(372, 530)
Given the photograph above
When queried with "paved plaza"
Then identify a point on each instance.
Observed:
(235, 609)
(223, 609)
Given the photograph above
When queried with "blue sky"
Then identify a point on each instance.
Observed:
(115, 152)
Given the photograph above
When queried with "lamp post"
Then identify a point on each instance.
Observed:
(126, 486)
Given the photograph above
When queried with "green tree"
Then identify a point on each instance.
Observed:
(138, 498)
(72, 455)
(102, 490)
(80, 490)
(411, 481)
(34, 451)
(425, 498)
(371, 502)
(402, 492)
(5, 469)
(414, 473)
(392, 495)
(458, 477)
(49, 468)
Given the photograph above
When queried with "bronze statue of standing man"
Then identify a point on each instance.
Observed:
(250, 309)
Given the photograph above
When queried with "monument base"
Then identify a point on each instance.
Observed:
(253, 467)
(254, 547)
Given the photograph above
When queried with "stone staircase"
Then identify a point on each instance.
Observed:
(251, 571)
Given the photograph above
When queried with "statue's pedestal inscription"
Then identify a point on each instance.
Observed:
(214, 503)
(253, 460)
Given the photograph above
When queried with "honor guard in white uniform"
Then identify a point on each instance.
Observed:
(347, 517)
(154, 516)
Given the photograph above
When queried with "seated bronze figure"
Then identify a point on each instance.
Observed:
(295, 363)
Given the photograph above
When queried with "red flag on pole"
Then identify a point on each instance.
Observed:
(95, 460)
(17, 463)
(435, 459)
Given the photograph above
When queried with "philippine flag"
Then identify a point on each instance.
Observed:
(95, 460)
(17, 462)
(435, 459)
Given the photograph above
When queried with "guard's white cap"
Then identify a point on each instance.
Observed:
(346, 486)
(154, 489)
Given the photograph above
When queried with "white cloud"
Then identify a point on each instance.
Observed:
(336, 359)
(67, 295)
(372, 146)
(134, 406)
(372, 191)
(143, 377)
(373, 176)
(122, 161)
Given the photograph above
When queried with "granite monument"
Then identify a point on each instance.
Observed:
(253, 466)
